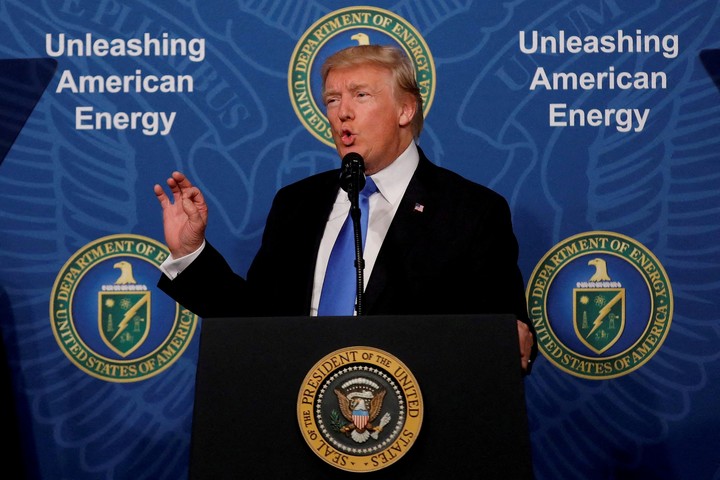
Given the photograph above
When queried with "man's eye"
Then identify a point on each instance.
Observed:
(330, 100)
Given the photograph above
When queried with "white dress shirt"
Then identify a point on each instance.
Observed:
(392, 181)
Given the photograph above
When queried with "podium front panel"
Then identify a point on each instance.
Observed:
(250, 372)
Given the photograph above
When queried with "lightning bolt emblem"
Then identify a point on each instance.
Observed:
(605, 310)
(128, 316)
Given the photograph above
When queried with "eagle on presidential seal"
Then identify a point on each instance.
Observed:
(360, 401)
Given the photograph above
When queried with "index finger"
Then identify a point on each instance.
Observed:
(161, 196)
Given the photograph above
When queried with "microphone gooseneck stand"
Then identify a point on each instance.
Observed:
(352, 180)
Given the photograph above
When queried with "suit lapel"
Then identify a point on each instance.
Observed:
(405, 236)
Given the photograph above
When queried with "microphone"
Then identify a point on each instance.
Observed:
(352, 174)
(352, 180)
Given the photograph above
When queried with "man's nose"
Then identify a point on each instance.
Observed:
(345, 111)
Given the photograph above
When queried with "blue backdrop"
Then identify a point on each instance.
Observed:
(494, 119)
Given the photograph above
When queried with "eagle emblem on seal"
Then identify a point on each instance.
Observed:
(360, 401)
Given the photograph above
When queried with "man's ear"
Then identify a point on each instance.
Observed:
(408, 108)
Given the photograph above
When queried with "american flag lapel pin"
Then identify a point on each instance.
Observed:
(419, 207)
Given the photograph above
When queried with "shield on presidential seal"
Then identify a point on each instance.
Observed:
(360, 418)
(599, 316)
(124, 320)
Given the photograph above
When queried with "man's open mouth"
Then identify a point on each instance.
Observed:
(347, 137)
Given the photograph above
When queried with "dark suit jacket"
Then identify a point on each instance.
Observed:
(456, 256)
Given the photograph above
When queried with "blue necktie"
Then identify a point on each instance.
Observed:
(339, 290)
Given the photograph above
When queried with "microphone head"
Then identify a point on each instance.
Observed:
(352, 172)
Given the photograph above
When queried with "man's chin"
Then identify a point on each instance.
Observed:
(345, 149)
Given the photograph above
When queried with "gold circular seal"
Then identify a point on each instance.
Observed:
(601, 304)
(106, 318)
(360, 409)
(357, 25)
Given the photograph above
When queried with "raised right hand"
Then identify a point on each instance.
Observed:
(185, 217)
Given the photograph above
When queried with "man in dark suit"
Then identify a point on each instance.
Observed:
(437, 243)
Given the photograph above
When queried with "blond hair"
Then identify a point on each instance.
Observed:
(387, 57)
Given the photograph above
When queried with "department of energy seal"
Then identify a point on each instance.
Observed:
(105, 318)
(601, 304)
(360, 409)
(344, 28)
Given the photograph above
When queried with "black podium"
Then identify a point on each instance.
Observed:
(250, 371)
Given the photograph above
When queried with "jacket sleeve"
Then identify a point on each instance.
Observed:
(208, 287)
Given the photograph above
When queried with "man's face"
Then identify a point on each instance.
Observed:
(366, 117)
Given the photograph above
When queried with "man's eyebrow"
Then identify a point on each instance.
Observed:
(352, 87)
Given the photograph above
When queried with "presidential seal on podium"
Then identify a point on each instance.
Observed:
(360, 409)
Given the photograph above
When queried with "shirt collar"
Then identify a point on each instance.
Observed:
(392, 181)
